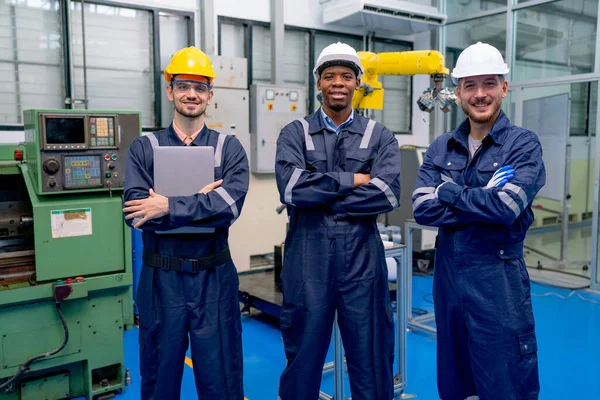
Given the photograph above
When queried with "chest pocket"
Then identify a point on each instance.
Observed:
(450, 167)
(360, 161)
(485, 170)
(316, 161)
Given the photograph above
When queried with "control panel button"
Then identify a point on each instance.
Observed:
(51, 166)
(111, 165)
(107, 157)
(114, 157)
(108, 175)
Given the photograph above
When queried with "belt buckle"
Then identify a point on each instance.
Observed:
(187, 265)
(165, 264)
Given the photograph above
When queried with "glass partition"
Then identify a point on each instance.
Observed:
(564, 118)
(555, 39)
(464, 8)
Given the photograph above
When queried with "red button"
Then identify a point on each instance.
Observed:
(79, 279)
(69, 280)
(107, 157)
(18, 154)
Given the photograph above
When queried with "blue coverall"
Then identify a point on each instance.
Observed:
(203, 305)
(334, 256)
(486, 343)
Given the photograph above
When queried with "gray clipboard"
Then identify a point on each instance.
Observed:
(183, 171)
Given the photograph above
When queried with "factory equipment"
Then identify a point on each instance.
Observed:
(65, 255)
(272, 107)
(421, 62)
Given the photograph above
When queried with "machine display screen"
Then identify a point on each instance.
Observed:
(82, 171)
(62, 130)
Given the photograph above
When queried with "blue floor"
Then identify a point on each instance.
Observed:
(568, 338)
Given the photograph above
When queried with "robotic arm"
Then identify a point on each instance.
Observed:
(422, 62)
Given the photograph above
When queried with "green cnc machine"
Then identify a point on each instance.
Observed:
(65, 256)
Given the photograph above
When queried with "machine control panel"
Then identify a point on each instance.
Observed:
(83, 150)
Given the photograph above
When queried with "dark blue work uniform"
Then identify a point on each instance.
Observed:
(176, 304)
(334, 257)
(486, 342)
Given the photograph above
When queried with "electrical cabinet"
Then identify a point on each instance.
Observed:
(272, 107)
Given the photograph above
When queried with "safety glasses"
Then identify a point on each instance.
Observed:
(184, 86)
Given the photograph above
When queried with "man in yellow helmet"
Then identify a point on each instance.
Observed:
(188, 284)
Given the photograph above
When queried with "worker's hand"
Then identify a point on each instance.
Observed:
(211, 186)
(151, 207)
(437, 189)
(361, 179)
(501, 177)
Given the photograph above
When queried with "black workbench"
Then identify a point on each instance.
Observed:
(258, 290)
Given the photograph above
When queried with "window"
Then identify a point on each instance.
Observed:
(31, 68)
(232, 40)
(295, 53)
(555, 39)
(396, 113)
(119, 71)
(464, 8)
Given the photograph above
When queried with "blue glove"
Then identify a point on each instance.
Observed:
(501, 177)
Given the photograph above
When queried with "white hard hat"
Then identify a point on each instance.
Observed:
(479, 59)
(338, 54)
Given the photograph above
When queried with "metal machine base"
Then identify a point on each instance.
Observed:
(90, 365)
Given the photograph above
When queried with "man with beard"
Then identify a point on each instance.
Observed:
(188, 289)
(476, 184)
(336, 172)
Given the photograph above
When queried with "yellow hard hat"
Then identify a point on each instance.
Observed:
(190, 61)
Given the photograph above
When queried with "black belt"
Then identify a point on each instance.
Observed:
(192, 265)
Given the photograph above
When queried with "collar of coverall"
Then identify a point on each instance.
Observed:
(498, 132)
(316, 123)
